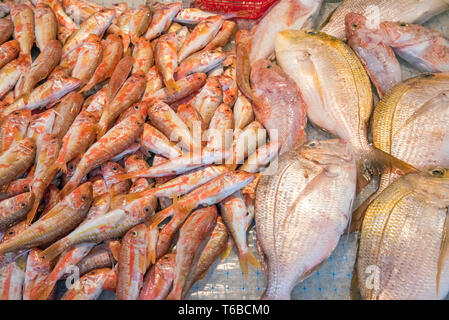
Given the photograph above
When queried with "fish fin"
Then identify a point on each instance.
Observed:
(243, 65)
(244, 258)
(444, 249)
(32, 213)
(122, 177)
(227, 249)
(377, 162)
(359, 214)
(55, 249)
(172, 86)
(114, 247)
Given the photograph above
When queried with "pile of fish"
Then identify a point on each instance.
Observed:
(139, 144)
(129, 157)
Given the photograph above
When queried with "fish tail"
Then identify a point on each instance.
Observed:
(244, 258)
(376, 162)
(32, 213)
(172, 86)
(55, 249)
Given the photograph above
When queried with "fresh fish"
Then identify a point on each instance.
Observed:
(201, 35)
(9, 75)
(202, 61)
(154, 83)
(192, 118)
(376, 56)
(16, 187)
(143, 56)
(223, 36)
(111, 225)
(16, 160)
(208, 99)
(135, 162)
(285, 15)
(63, 19)
(112, 53)
(44, 64)
(99, 257)
(8, 52)
(188, 161)
(6, 29)
(132, 263)
(46, 94)
(58, 222)
(209, 194)
(80, 11)
(181, 36)
(14, 209)
(156, 142)
(113, 142)
(162, 19)
(110, 169)
(96, 24)
(139, 22)
(66, 261)
(37, 270)
(123, 22)
(278, 104)
(89, 286)
(185, 86)
(168, 122)
(130, 93)
(88, 58)
(245, 143)
(290, 231)
(46, 25)
(78, 138)
(413, 207)
(167, 60)
(410, 123)
(344, 107)
(23, 19)
(193, 235)
(119, 76)
(234, 213)
(215, 247)
(192, 16)
(243, 112)
(14, 128)
(65, 113)
(221, 128)
(423, 48)
(158, 280)
(230, 89)
(44, 173)
(410, 11)
(262, 157)
(12, 276)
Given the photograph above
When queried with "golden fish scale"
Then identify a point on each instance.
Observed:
(284, 218)
(340, 69)
(392, 113)
(393, 224)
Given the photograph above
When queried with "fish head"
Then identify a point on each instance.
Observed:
(110, 168)
(137, 236)
(14, 230)
(27, 146)
(402, 34)
(82, 197)
(354, 22)
(328, 152)
(142, 207)
(24, 200)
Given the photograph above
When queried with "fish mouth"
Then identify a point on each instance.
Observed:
(330, 151)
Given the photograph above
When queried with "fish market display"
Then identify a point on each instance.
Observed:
(144, 143)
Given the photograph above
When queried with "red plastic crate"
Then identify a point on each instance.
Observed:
(249, 9)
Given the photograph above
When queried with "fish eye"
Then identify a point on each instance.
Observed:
(25, 187)
(136, 107)
(134, 233)
(437, 172)
(23, 205)
(16, 113)
(147, 209)
(312, 33)
(312, 144)
(83, 197)
(427, 75)
(403, 24)
(11, 233)
(268, 66)
(70, 167)
(354, 25)
(114, 168)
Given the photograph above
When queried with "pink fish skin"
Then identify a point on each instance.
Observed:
(14, 128)
(37, 270)
(132, 263)
(278, 104)
(376, 56)
(90, 286)
(192, 238)
(8, 52)
(6, 29)
(425, 49)
(23, 19)
(46, 25)
(162, 19)
(159, 279)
